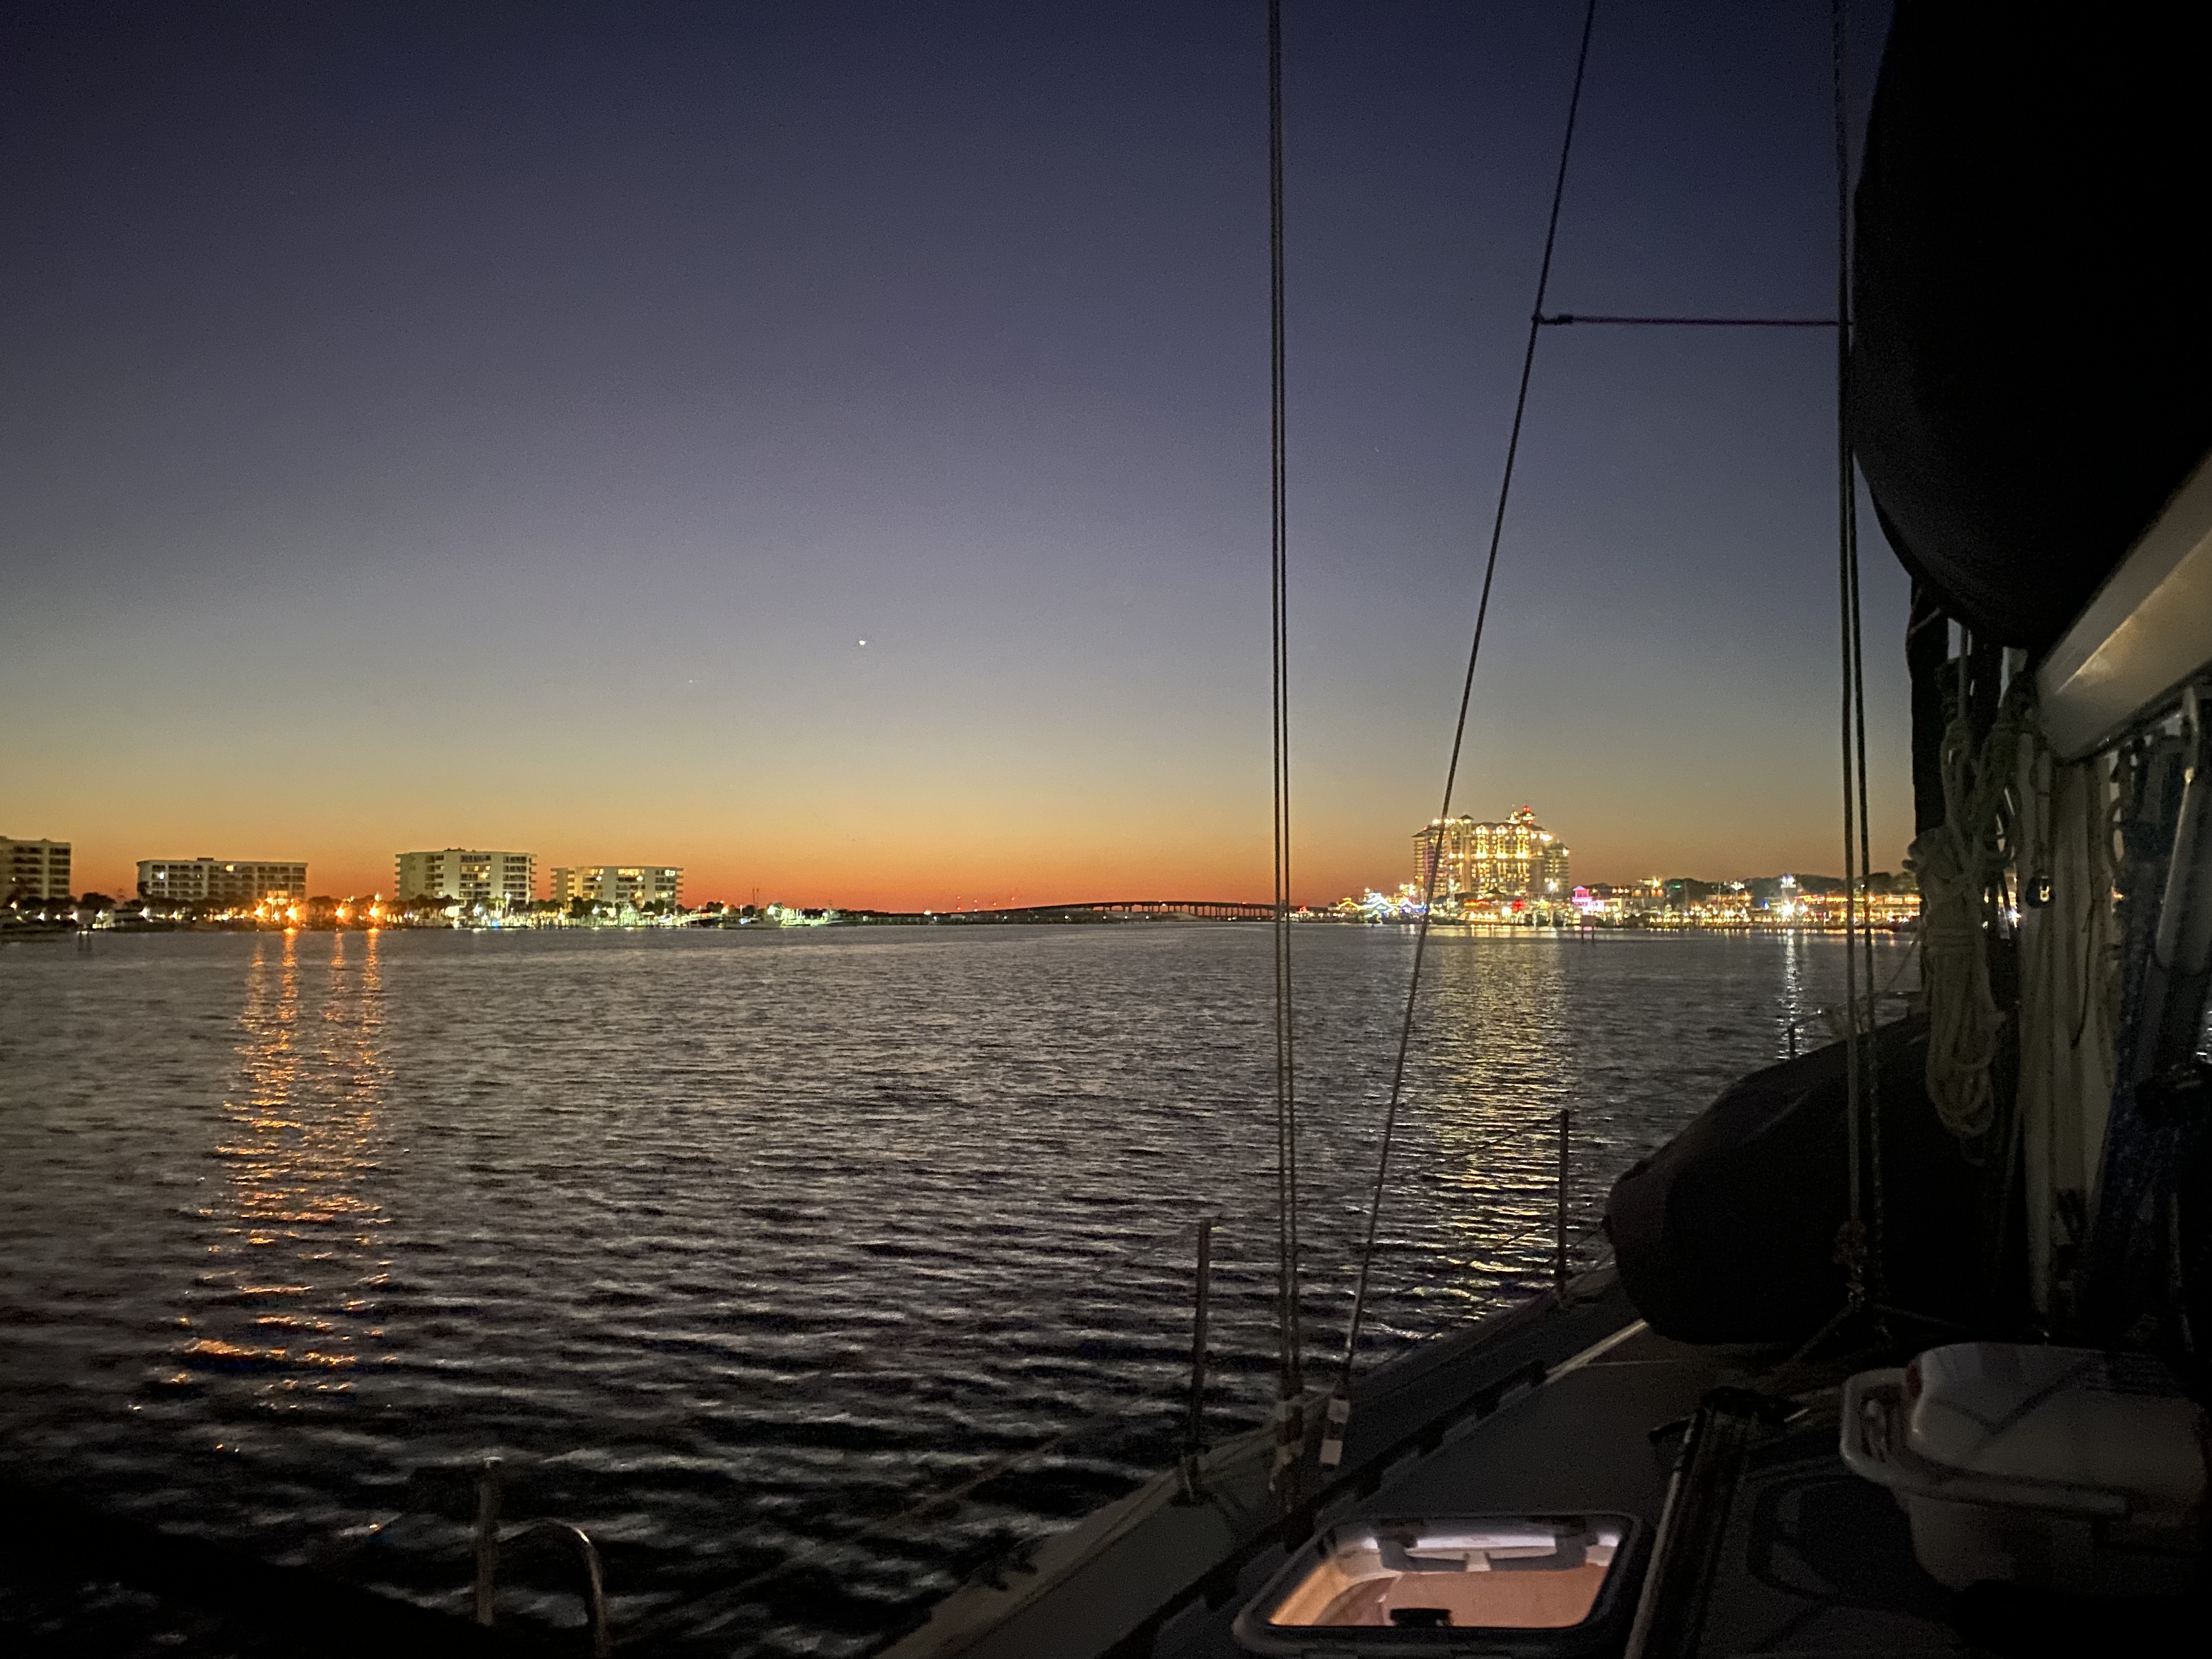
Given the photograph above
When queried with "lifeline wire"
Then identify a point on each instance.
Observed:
(1339, 1405)
(1561, 319)
(1292, 1378)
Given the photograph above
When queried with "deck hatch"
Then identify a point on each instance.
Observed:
(1520, 1584)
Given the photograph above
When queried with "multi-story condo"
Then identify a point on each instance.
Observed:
(633, 886)
(221, 881)
(1557, 883)
(1517, 859)
(35, 869)
(466, 874)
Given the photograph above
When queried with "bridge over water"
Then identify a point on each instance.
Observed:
(1107, 910)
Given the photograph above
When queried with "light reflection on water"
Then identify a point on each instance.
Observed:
(725, 1241)
(278, 1293)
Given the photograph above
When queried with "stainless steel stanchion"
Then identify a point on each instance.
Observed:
(1194, 1439)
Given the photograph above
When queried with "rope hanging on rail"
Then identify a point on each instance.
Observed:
(1340, 1404)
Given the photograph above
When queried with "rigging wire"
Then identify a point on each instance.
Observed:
(1340, 1404)
(1291, 1377)
(1861, 1246)
(1562, 319)
(1841, 35)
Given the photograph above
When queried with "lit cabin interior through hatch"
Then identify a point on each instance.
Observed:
(1507, 1574)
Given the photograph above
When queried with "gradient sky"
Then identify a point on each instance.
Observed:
(460, 425)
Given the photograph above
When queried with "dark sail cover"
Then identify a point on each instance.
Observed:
(2032, 363)
(1728, 1233)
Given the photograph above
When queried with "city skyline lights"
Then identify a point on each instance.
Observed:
(426, 431)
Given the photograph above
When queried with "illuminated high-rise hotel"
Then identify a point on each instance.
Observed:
(1517, 859)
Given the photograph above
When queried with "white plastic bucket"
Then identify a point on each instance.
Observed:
(2068, 1469)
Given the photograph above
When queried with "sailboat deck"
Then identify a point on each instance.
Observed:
(1124, 1573)
(1555, 1408)
(1811, 1560)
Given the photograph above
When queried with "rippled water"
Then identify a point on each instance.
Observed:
(733, 1244)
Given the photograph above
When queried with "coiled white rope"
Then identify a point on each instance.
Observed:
(1955, 862)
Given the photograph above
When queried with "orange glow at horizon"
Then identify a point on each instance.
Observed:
(869, 867)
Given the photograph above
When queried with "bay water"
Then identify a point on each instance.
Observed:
(734, 1246)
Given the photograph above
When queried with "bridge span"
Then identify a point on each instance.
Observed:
(1112, 911)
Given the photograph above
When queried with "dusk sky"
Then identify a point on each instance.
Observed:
(489, 426)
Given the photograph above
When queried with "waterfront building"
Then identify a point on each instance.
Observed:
(1517, 859)
(1557, 883)
(472, 876)
(221, 881)
(632, 886)
(35, 869)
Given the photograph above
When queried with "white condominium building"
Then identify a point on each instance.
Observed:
(35, 869)
(220, 881)
(634, 886)
(466, 874)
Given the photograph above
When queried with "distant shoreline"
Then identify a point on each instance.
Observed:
(50, 930)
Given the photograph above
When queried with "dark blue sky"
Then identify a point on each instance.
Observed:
(499, 426)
